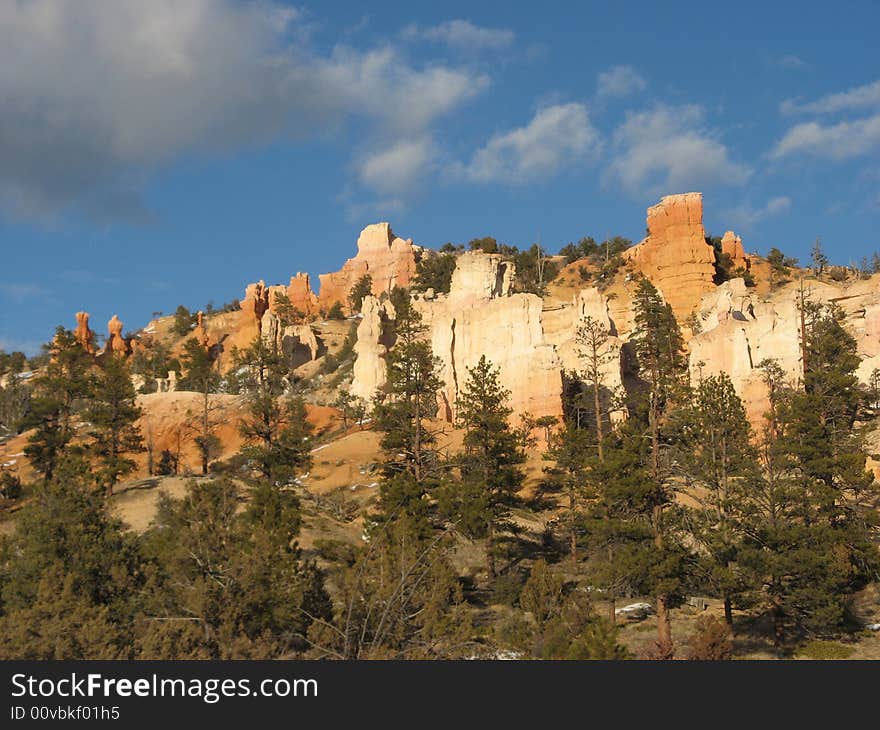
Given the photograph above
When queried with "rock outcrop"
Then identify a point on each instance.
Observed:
(675, 255)
(369, 350)
(390, 261)
(479, 277)
(480, 316)
(508, 331)
(115, 342)
(301, 296)
(200, 332)
(732, 245)
(256, 301)
(83, 334)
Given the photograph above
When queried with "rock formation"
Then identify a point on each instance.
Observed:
(256, 301)
(675, 255)
(115, 342)
(390, 261)
(480, 316)
(732, 245)
(200, 332)
(301, 296)
(300, 345)
(83, 334)
(480, 276)
(369, 365)
(508, 331)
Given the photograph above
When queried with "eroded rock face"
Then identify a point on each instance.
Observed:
(675, 255)
(508, 331)
(115, 342)
(732, 245)
(369, 365)
(300, 345)
(480, 276)
(390, 261)
(301, 296)
(200, 332)
(83, 334)
(256, 301)
(561, 326)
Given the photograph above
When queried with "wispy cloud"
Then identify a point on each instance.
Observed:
(620, 81)
(557, 137)
(747, 216)
(836, 142)
(462, 35)
(855, 99)
(790, 62)
(398, 168)
(670, 149)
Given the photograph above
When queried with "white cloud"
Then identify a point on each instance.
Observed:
(462, 35)
(791, 62)
(669, 149)
(860, 97)
(557, 137)
(95, 94)
(746, 216)
(399, 168)
(620, 81)
(835, 142)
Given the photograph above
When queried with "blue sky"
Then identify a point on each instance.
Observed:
(156, 154)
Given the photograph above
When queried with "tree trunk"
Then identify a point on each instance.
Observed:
(778, 623)
(664, 626)
(597, 405)
(571, 514)
(728, 613)
(490, 550)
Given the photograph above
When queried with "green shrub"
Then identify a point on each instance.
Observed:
(819, 649)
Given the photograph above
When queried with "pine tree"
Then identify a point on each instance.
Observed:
(113, 413)
(493, 451)
(573, 452)
(58, 393)
(815, 533)
(362, 287)
(659, 350)
(412, 465)
(399, 599)
(717, 459)
(592, 339)
(275, 428)
(230, 584)
(200, 375)
(66, 525)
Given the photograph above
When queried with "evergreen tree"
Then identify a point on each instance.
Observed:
(230, 584)
(592, 339)
(573, 452)
(275, 429)
(363, 287)
(113, 413)
(200, 375)
(399, 599)
(718, 461)
(493, 451)
(412, 465)
(69, 575)
(810, 543)
(659, 350)
(58, 393)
